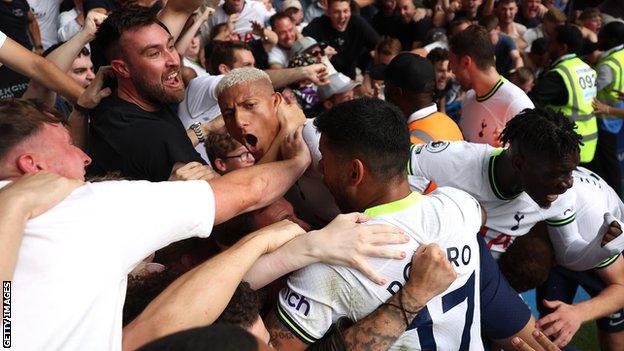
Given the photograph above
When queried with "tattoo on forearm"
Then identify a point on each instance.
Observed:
(379, 330)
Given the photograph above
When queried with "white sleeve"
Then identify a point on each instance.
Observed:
(277, 57)
(68, 27)
(143, 216)
(201, 94)
(571, 249)
(519, 103)
(444, 162)
(312, 138)
(316, 296)
(2, 38)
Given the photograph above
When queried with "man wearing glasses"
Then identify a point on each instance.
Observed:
(227, 154)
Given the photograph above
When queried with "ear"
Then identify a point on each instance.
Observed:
(466, 61)
(220, 165)
(356, 173)
(27, 163)
(223, 69)
(121, 68)
(277, 99)
(327, 104)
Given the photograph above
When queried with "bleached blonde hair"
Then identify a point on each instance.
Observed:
(240, 76)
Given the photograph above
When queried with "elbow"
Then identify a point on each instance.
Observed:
(258, 193)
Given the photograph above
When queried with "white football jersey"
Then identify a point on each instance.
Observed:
(469, 167)
(594, 198)
(320, 294)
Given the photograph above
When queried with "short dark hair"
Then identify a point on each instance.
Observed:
(223, 337)
(528, 260)
(222, 52)
(278, 16)
(452, 27)
(330, 2)
(243, 309)
(388, 46)
(438, 55)
(489, 22)
(505, 2)
(127, 18)
(20, 119)
(142, 290)
(372, 130)
(474, 41)
(542, 132)
(570, 35)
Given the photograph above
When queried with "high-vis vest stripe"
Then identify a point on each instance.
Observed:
(580, 82)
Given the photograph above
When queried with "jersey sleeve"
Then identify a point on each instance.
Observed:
(572, 251)
(155, 215)
(201, 94)
(312, 137)
(315, 297)
(444, 162)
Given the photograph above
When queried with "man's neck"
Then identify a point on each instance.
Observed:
(484, 81)
(505, 176)
(131, 95)
(507, 28)
(389, 192)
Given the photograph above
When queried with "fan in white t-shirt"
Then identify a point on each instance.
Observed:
(491, 101)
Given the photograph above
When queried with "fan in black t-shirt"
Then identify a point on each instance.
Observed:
(350, 35)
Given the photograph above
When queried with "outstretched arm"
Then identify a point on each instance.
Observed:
(199, 296)
(39, 69)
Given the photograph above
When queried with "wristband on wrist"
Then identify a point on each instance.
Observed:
(196, 127)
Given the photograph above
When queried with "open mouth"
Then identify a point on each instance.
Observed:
(173, 79)
(251, 142)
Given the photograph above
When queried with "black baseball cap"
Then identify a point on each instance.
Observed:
(407, 71)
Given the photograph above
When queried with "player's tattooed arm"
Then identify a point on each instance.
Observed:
(431, 274)
(381, 329)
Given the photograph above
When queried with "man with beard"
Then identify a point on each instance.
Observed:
(134, 130)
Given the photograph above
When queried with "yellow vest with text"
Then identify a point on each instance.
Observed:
(580, 82)
(615, 61)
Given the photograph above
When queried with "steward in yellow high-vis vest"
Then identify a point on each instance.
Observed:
(610, 83)
(570, 87)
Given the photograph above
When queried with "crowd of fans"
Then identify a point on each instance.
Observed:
(310, 174)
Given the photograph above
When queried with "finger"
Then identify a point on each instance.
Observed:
(554, 328)
(552, 304)
(384, 252)
(546, 320)
(383, 228)
(543, 340)
(385, 238)
(366, 269)
(354, 217)
(104, 93)
(520, 345)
